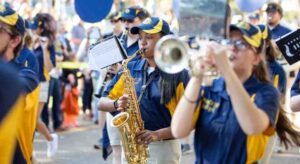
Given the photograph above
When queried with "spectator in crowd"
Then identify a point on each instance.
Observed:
(275, 13)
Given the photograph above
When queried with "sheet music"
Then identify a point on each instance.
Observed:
(105, 54)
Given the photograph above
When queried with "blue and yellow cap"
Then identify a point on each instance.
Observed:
(132, 12)
(152, 25)
(11, 18)
(266, 31)
(33, 24)
(251, 33)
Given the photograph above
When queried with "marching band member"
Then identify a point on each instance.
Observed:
(44, 26)
(131, 17)
(156, 107)
(17, 122)
(277, 74)
(234, 117)
(295, 92)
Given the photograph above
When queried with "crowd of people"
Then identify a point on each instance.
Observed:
(235, 119)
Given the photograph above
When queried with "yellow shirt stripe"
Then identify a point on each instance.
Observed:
(8, 131)
(118, 89)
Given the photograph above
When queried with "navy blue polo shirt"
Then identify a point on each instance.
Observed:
(10, 88)
(43, 73)
(279, 31)
(27, 66)
(295, 90)
(218, 136)
(28, 60)
(278, 76)
(154, 114)
(132, 49)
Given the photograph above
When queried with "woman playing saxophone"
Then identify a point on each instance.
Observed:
(157, 94)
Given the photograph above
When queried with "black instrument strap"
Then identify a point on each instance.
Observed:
(146, 82)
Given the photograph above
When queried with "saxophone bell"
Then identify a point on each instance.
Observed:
(120, 119)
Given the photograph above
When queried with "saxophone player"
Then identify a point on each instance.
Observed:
(130, 17)
(157, 92)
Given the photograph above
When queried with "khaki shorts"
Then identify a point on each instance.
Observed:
(44, 92)
(162, 152)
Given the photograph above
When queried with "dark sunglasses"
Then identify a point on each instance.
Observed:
(271, 11)
(127, 20)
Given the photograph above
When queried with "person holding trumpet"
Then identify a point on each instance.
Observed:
(235, 116)
(158, 94)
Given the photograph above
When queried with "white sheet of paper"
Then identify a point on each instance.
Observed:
(105, 54)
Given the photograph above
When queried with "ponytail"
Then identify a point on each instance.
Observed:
(285, 130)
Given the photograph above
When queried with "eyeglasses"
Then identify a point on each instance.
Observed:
(127, 20)
(4, 28)
(238, 44)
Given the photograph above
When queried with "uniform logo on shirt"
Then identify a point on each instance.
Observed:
(210, 105)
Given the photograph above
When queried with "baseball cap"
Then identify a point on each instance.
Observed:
(152, 25)
(251, 33)
(11, 18)
(133, 12)
(272, 6)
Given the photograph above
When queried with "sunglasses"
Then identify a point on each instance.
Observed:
(272, 11)
(127, 20)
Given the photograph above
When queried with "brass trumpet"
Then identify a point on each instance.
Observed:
(172, 55)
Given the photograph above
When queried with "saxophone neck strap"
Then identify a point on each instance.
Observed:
(146, 82)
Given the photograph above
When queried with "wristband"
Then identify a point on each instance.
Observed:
(116, 104)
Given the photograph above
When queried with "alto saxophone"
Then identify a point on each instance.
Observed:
(130, 122)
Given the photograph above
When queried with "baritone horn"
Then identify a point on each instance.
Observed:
(172, 55)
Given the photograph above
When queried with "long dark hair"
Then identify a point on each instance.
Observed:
(168, 85)
(271, 52)
(284, 127)
(286, 131)
(15, 33)
(48, 24)
(260, 70)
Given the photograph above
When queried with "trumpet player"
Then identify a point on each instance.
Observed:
(157, 92)
(235, 116)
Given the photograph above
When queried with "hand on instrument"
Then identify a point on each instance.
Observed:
(219, 56)
(200, 63)
(123, 102)
(147, 136)
(113, 69)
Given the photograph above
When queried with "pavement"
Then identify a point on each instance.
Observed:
(76, 146)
